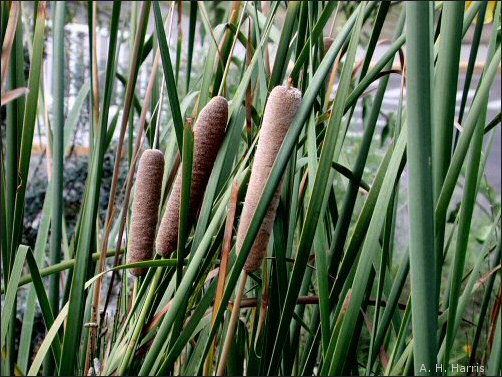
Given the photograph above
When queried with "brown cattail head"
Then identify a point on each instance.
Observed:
(145, 208)
(209, 132)
(281, 108)
(328, 41)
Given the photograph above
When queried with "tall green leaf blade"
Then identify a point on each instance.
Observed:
(280, 62)
(169, 75)
(420, 189)
(73, 116)
(367, 256)
(29, 124)
(73, 330)
(318, 197)
(464, 223)
(191, 40)
(13, 131)
(445, 88)
(465, 139)
(445, 92)
(57, 150)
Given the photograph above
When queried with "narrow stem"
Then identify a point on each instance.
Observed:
(231, 326)
(156, 137)
(227, 66)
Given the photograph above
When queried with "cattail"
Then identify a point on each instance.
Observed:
(282, 105)
(281, 108)
(209, 131)
(145, 208)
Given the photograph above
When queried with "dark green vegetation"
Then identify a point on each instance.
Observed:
(385, 251)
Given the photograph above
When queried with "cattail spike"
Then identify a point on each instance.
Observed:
(209, 131)
(145, 208)
(281, 108)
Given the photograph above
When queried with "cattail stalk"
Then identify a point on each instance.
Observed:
(209, 132)
(282, 105)
(145, 208)
(281, 108)
(223, 270)
(231, 326)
